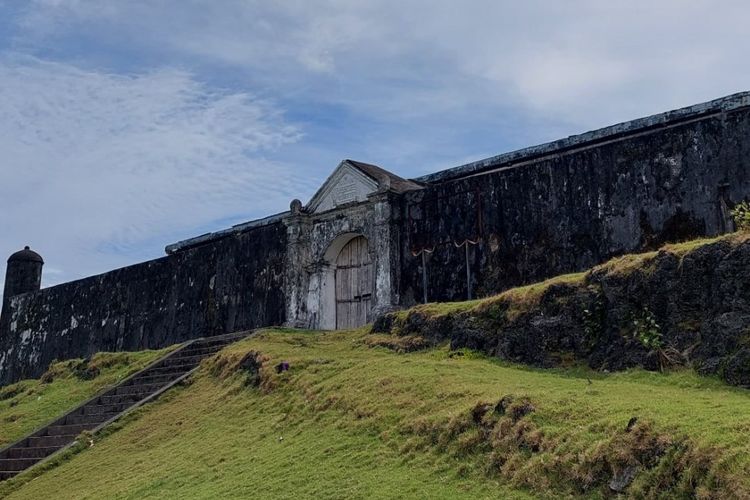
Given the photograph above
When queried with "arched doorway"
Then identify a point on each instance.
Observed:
(353, 284)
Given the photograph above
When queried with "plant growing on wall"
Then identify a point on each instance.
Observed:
(647, 331)
(593, 322)
(741, 216)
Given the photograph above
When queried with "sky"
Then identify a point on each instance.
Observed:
(129, 125)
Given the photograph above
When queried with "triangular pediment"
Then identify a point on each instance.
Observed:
(346, 184)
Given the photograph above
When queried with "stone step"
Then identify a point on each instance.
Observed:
(49, 441)
(207, 347)
(40, 452)
(201, 350)
(220, 340)
(124, 399)
(148, 378)
(96, 409)
(172, 369)
(17, 464)
(118, 399)
(179, 360)
(96, 418)
(144, 389)
(67, 430)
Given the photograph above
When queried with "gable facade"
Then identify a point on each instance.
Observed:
(350, 205)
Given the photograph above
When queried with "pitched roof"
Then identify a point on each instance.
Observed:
(381, 176)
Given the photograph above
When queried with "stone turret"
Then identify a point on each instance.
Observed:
(24, 273)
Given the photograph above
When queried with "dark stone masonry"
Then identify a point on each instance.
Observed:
(233, 284)
(470, 231)
(568, 210)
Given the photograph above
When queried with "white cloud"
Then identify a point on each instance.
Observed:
(92, 160)
(124, 159)
(585, 62)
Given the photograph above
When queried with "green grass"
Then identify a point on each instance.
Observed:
(523, 298)
(352, 421)
(29, 404)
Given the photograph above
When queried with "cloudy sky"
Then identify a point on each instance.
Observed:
(128, 125)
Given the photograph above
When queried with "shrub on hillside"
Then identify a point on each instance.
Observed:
(741, 216)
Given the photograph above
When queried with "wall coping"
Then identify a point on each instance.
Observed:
(237, 228)
(620, 130)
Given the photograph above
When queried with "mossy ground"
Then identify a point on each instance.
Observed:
(29, 404)
(352, 421)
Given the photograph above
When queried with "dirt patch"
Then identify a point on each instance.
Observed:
(256, 368)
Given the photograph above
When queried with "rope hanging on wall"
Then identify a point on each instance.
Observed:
(466, 244)
(423, 252)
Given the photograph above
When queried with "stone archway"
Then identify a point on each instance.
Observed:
(314, 253)
(346, 284)
(354, 284)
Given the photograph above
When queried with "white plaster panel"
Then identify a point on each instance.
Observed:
(346, 185)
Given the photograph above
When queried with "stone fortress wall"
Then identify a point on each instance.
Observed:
(569, 205)
(230, 284)
(525, 216)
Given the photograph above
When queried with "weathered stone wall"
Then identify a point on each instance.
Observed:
(314, 241)
(226, 285)
(568, 210)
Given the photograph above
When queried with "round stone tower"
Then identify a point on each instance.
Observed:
(24, 273)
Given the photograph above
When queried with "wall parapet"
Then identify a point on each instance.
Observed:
(614, 132)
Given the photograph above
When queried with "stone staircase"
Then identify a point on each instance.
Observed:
(108, 406)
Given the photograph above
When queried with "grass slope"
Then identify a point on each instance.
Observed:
(352, 421)
(29, 404)
(524, 298)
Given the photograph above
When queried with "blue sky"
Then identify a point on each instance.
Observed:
(128, 125)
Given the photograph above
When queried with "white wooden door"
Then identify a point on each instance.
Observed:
(353, 284)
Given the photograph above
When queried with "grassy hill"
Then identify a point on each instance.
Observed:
(353, 420)
(398, 414)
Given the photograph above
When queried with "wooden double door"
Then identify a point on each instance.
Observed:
(354, 284)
